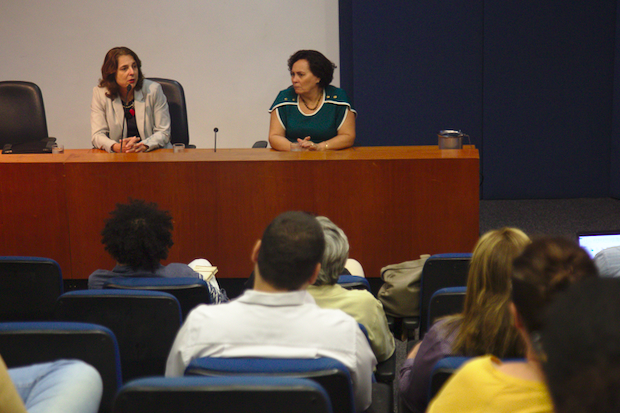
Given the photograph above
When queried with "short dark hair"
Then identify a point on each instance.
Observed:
(547, 266)
(110, 67)
(320, 66)
(581, 340)
(291, 247)
(138, 234)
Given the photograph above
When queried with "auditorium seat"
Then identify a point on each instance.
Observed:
(145, 324)
(189, 291)
(439, 271)
(446, 301)
(29, 287)
(25, 343)
(222, 395)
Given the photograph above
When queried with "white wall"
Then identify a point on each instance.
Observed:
(230, 56)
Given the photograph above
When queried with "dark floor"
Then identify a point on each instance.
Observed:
(551, 216)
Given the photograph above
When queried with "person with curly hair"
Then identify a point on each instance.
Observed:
(138, 235)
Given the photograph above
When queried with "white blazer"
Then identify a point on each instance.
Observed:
(152, 117)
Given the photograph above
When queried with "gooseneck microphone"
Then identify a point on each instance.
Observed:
(123, 128)
(215, 131)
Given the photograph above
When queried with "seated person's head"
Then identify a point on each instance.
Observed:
(335, 255)
(138, 235)
(486, 324)
(289, 254)
(581, 341)
(547, 266)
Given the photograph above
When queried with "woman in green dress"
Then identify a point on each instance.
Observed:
(311, 113)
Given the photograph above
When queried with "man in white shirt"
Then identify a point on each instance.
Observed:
(278, 318)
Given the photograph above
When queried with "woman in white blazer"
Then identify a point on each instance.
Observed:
(128, 112)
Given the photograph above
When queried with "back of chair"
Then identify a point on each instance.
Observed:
(222, 395)
(446, 301)
(22, 114)
(442, 372)
(28, 343)
(29, 287)
(441, 271)
(179, 129)
(190, 292)
(145, 324)
(354, 282)
(329, 373)
(260, 144)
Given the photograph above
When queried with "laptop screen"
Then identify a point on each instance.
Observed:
(593, 242)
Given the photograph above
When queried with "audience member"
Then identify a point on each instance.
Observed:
(64, 386)
(278, 318)
(608, 262)
(485, 325)
(546, 267)
(359, 304)
(138, 236)
(581, 344)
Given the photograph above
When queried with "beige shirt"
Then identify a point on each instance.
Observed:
(364, 308)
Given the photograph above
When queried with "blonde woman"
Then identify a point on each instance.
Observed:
(485, 325)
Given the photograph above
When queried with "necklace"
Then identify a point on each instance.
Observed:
(128, 105)
(316, 105)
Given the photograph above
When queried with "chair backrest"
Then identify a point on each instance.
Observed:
(354, 282)
(446, 301)
(329, 373)
(179, 130)
(190, 292)
(222, 395)
(442, 372)
(441, 271)
(29, 287)
(145, 324)
(22, 114)
(260, 144)
(28, 343)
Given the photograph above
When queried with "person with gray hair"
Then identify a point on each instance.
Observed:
(361, 305)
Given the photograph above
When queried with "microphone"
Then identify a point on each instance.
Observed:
(123, 128)
(215, 131)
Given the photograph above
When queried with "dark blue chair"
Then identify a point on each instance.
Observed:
(354, 282)
(440, 271)
(145, 324)
(29, 287)
(442, 372)
(329, 373)
(25, 343)
(190, 292)
(446, 301)
(222, 395)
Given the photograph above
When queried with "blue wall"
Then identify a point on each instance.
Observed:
(531, 82)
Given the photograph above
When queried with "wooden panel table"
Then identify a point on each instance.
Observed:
(394, 203)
